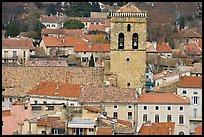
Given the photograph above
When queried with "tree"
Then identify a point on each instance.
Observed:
(91, 61)
(95, 7)
(12, 30)
(73, 24)
(51, 9)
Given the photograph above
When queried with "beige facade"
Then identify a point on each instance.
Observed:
(128, 64)
(163, 112)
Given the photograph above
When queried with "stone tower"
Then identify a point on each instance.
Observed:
(128, 50)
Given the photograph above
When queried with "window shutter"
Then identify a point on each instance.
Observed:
(198, 101)
(191, 100)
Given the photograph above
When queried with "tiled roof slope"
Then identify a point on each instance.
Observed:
(107, 94)
(92, 48)
(17, 43)
(164, 98)
(163, 47)
(104, 131)
(190, 82)
(161, 128)
(98, 27)
(189, 33)
(6, 113)
(198, 130)
(93, 109)
(129, 8)
(56, 89)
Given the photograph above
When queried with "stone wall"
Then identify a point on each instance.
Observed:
(28, 77)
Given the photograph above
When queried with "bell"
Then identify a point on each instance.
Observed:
(135, 44)
(121, 44)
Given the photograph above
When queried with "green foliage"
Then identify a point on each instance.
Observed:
(95, 7)
(79, 9)
(51, 9)
(35, 43)
(73, 24)
(12, 30)
(95, 32)
(39, 28)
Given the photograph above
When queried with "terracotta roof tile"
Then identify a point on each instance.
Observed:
(96, 27)
(197, 68)
(92, 48)
(198, 130)
(163, 47)
(68, 41)
(193, 48)
(50, 89)
(17, 43)
(122, 122)
(189, 33)
(69, 32)
(162, 128)
(93, 109)
(6, 113)
(190, 82)
(129, 8)
(52, 19)
(107, 94)
(104, 131)
(94, 38)
(165, 98)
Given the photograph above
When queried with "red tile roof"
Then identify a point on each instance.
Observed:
(17, 43)
(164, 98)
(92, 48)
(163, 47)
(54, 122)
(96, 27)
(107, 94)
(94, 38)
(6, 113)
(193, 48)
(198, 130)
(93, 109)
(52, 89)
(189, 33)
(52, 19)
(62, 31)
(161, 128)
(122, 122)
(129, 8)
(190, 82)
(104, 131)
(67, 41)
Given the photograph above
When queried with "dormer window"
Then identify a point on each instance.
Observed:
(121, 41)
(135, 41)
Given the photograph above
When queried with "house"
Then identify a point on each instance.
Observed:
(161, 128)
(164, 107)
(119, 103)
(98, 27)
(193, 49)
(186, 36)
(53, 22)
(61, 32)
(196, 69)
(50, 97)
(99, 14)
(99, 52)
(164, 50)
(60, 46)
(16, 50)
(191, 87)
(19, 112)
(81, 126)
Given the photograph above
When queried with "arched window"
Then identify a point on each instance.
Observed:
(135, 41)
(121, 41)
(181, 133)
(128, 27)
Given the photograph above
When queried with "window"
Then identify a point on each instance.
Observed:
(169, 108)
(181, 108)
(91, 130)
(184, 91)
(25, 107)
(195, 100)
(156, 118)
(84, 52)
(43, 132)
(145, 108)
(50, 107)
(195, 112)
(128, 84)
(128, 59)
(115, 106)
(36, 108)
(71, 104)
(3, 99)
(53, 25)
(144, 117)
(36, 102)
(156, 107)
(129, 115)
(56, 132)
(115, 115)
(135, 41)
(44, 102)
(121, 41)
(195, 92)
(10, 99)
(128, 27)
(14, 54)
(181, 133)
(84, 59)
(96, 59)
(181, 119)
(24, 54)
(147, 70)
(129, 106)
(168, 118)
(6, 54)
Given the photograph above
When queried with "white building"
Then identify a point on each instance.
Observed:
(191, 87)
(164, 107)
